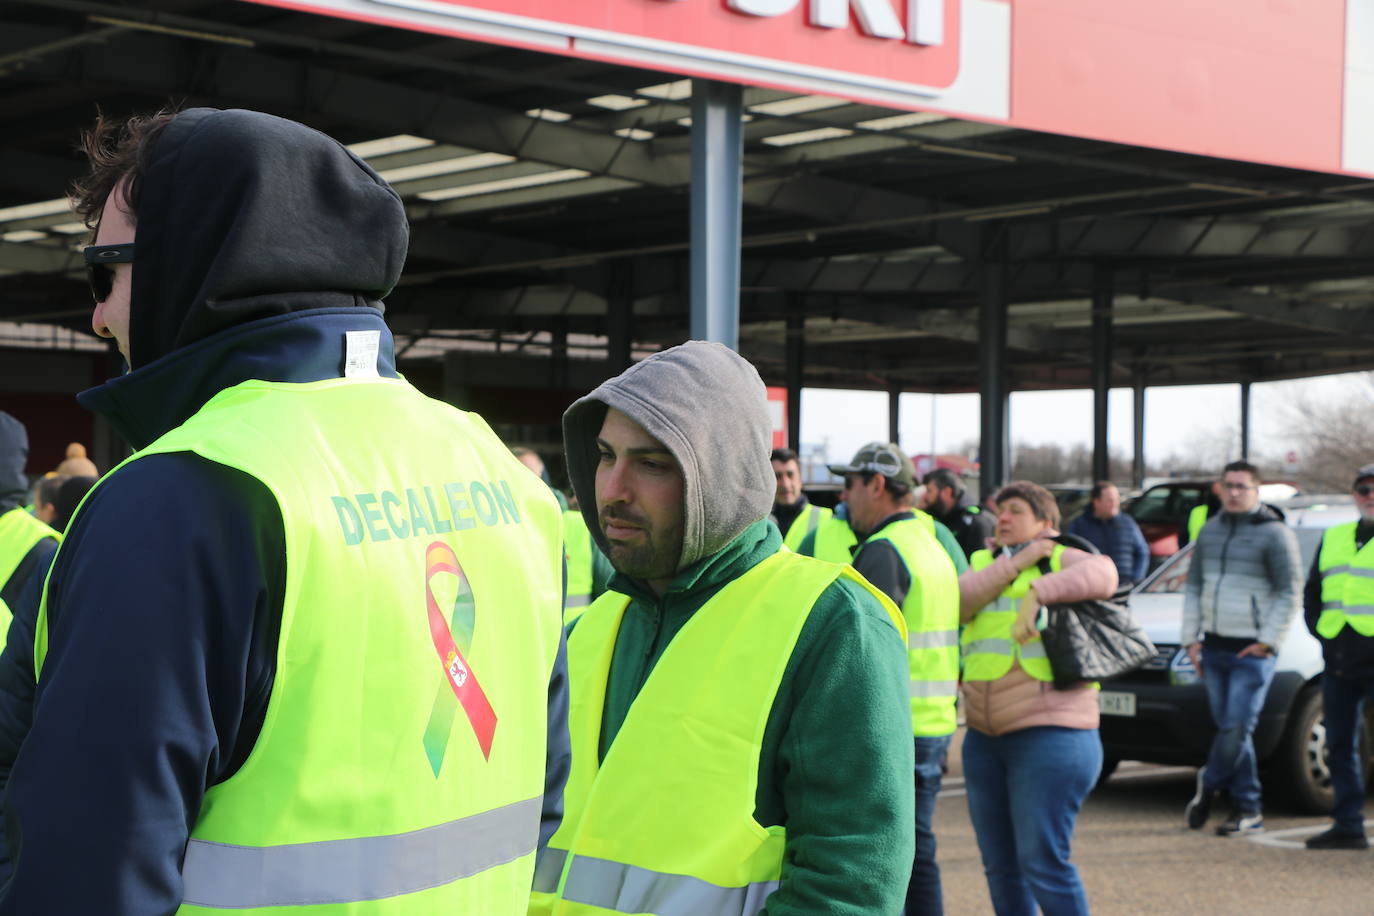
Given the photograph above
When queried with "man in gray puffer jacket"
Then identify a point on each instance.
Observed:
(1244, 589)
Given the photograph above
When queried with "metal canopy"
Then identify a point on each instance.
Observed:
(549, 198)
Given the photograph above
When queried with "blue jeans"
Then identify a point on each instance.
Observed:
(1342, 700)
(1024, 792)
(1236, 688)
(923, 895)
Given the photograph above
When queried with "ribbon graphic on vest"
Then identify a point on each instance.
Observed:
(452, 640)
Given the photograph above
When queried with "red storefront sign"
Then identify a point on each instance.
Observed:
(1285, 82)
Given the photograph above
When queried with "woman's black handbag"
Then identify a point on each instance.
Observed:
(1093, 639)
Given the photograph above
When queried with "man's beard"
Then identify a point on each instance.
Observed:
(655, 558)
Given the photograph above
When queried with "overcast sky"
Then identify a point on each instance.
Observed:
(1176, 419)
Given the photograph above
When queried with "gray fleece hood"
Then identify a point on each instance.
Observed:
(707, 404)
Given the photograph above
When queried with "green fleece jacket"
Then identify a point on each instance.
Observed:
(836, 765)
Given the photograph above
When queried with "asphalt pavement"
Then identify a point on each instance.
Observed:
(1136, 856)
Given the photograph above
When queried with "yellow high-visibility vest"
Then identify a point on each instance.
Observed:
(987, 644)
(400, 765)
(931, 608)
(664, 825)
(808, 520)
(577, 546)
(1347, 582)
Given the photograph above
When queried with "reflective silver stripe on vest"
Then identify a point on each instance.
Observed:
(989, 646)
(1336, 570)
(577, 600)
(627, 889)
(1358, 610)
(934, 689)
(1360, 572)
(933, 639)
(1004, 604)
(548, 868)
(366, 868)
(1033, 649)
(1354, 610)
(814, 521)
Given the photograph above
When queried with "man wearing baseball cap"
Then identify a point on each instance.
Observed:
(899, 553)
(1338, 605)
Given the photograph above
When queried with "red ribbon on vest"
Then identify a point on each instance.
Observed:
(440, 558)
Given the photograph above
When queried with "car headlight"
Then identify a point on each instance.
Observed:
(1181, 670)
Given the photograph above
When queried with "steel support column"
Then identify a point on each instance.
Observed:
(1244, 421)
(894, 412)
(1101, 367)
(1138, 458)
(796, 354)
(619, 316)
(717, 157)
(992, 379)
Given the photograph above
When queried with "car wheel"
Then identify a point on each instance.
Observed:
(1301, 760)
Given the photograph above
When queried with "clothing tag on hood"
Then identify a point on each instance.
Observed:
(360, 353)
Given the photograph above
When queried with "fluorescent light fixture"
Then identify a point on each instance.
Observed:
(1227, 189)
(385, 146)
(445, 167)
(617, 102)
(669, 92)
(798, 105)
(635, 133)
(910, 119)
(687, 122)
(32, 211)
(168, 30)
(548, 114)
(505, 184)
(807, 136)
(1007, 214)
(75, 228)
(24, 235)
(970, 153)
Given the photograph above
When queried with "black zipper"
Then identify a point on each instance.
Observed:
(1216, 593)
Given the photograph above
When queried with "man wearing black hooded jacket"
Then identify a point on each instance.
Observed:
(305, 646)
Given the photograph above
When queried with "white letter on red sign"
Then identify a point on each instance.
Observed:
(763, 7)
(875, 16)
(925, 22)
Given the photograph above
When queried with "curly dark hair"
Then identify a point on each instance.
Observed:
(115, 149)
(1040, 500)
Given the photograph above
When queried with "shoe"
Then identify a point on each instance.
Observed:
(1335, 838)
(1241, 825)
(1200, 806)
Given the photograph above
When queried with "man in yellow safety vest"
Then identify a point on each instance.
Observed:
(1338, 605)
(739, 714)
(304, 649)
(899, 553)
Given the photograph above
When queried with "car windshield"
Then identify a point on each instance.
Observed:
(1166, 503)
(1173, 574)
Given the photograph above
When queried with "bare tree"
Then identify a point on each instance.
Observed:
(1334, 436)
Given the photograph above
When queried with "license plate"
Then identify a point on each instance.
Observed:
(1116, 703)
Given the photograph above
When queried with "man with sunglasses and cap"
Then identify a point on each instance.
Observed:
(304, 648)
(1338, 607)
(898, 552)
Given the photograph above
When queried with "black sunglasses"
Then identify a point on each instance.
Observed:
(98, 271)
(1364, 489)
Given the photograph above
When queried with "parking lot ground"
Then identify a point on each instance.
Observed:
(1137, 857)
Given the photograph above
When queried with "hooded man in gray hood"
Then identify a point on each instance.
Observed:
(739, 720)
